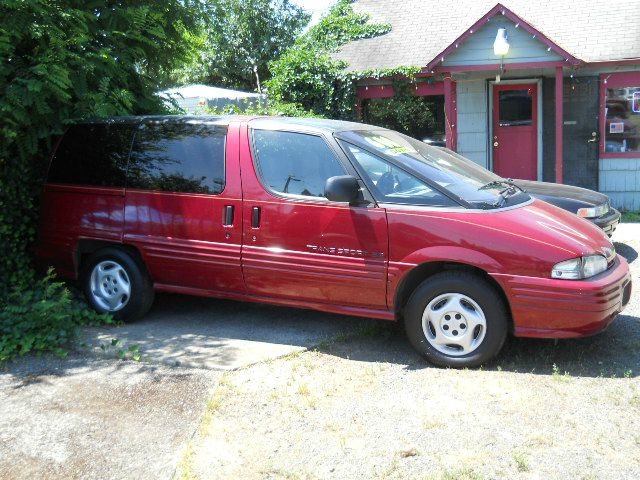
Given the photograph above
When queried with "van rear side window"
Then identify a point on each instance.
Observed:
(178, 157)
(93, 155)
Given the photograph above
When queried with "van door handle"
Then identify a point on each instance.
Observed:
(255, 217)
(228, 215)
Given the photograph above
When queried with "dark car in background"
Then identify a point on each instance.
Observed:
(593, 206)
(588, 204)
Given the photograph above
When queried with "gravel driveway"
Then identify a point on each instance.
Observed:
(366, 406)
(360, 405)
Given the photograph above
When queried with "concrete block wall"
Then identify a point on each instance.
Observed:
(620, 179)
(472, 120)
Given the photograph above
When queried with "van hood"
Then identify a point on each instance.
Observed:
(556, 227)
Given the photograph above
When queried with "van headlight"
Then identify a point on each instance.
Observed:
(594, 212)
(579, 268)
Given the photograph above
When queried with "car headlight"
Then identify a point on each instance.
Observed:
(594, 212)
(579, 268)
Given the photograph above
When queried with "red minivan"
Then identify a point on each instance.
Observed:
(335, 216)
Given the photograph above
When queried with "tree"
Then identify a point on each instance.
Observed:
(241, 36)
(66, 59)
(306, 73)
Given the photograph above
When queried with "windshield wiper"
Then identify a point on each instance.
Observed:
(510, 189)
(499, 183)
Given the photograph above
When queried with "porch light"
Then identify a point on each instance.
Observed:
(501, 45)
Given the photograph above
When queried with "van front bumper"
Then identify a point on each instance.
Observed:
(551, 308)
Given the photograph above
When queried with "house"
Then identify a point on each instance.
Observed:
(544, 90)
(192, 98)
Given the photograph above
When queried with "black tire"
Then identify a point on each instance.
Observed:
(141, 286)
(477, 289)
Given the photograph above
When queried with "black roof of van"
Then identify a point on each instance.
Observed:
(303, 123)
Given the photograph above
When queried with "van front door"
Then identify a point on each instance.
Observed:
(183, 208)
(299, 246)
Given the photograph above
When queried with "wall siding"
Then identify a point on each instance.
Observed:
(472, 120)
(478, 48)
(620, 179)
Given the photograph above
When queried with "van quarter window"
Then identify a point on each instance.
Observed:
(92, 155)
(178, 157)
(295, 163)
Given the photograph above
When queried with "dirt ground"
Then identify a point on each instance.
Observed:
(365, 406)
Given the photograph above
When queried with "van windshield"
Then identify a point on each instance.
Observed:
(452, 172)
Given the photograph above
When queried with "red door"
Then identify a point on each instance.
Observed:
(515, 131)
(297, 245)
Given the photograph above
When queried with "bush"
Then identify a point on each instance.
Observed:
(306, 73)
(274, 108)
(44, 318)
(60, 61)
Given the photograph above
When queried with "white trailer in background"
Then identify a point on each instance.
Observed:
(195, 98)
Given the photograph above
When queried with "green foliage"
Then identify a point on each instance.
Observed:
(407, 113)
(240, 37)
(132, 352)
(307, 77)
(43, 318)
(306, 73)
(341, 25)
(62, 60)
(274, 108)
(630, 217)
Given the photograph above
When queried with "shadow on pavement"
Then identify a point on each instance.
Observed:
(613, 353)
(626, 251)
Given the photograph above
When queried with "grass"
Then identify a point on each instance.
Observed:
(521, 462)
(630, 217)
(464, 474)
(559, 376)
(185, 467)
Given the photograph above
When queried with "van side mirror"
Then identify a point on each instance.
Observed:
(343, 188)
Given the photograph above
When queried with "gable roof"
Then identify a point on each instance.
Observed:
(593, 31)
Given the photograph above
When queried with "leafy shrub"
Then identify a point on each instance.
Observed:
(62, 60)
(306, 73)
(274, 108)
(43, 318)
(414, 115)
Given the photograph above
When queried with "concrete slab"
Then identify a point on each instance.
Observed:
(627, 231)
(220, 334)
(96, 419)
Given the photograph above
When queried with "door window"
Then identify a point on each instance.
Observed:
(178, 157)
(294, 163)
(515, 107)
(394, 185)
(92, 155)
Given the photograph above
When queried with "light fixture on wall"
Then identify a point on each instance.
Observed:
(501, 48)
(501, 45)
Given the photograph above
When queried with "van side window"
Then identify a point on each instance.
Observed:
(178, 157)
(294, 163)
(93, 155)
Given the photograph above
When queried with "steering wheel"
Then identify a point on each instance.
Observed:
(387, 183)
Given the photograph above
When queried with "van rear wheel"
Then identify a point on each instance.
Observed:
(456, 319)
(115, 283)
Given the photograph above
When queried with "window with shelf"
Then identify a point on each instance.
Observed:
(621, 102)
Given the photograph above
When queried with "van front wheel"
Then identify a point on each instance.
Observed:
(115, 283)
(456, 319)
